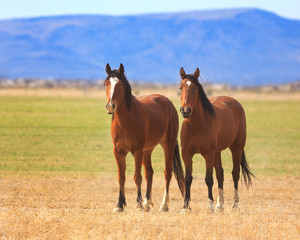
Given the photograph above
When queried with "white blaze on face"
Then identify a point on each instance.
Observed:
(187, 83)
(113, 82)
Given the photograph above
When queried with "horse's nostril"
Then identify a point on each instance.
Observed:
(114, 106)
(189, 110)
(181, 110)
(106, 106)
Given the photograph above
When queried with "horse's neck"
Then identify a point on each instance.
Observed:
(123, 115)
(199, 118)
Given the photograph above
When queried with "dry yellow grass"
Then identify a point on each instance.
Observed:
(81, 208)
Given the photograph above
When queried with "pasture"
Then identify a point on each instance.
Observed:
(58, 176)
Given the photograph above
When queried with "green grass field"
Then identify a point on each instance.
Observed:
(42, 136)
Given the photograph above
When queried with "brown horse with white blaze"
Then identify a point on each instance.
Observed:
(138, 125)
(210, 126)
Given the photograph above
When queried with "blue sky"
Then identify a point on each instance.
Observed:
(30, 8)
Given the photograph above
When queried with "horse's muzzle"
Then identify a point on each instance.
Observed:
(186, 112)
(110, 108)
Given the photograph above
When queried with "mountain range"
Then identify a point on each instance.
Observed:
(241, 47)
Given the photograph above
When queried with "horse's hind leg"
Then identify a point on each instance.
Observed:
(149, 176)
(237, 159)
(169, 153)
(138, 157)
(220, 178)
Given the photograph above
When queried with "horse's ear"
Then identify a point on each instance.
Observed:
(197, 73)
(182, 73)
(121, 68)
(108, 69)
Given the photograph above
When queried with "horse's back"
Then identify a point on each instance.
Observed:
(156, 103)
(230, 120)
(224, 103)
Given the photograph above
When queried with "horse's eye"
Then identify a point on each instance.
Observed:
(122, 85)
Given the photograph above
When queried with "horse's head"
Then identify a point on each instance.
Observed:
(117, 88)
(189, 92)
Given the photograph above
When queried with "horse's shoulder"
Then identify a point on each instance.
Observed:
(154, 99)
(223, 101)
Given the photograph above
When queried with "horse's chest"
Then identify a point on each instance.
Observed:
(125, 139)
(199, 142)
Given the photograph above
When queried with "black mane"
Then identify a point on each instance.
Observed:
(207, 106)
(122, 78)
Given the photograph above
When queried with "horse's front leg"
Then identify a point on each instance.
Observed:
(209, 160)
(188, 162)
(121, 162)
(138, 157)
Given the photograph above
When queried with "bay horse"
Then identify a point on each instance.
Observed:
(138, 125)
(210, 126)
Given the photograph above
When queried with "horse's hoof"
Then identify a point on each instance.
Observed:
(147, 205)
(210, 206)
(139, 208)
(219, 208)
(186, 210)
(118, 210)
(147, 208)
(235, 205)
(164, 208)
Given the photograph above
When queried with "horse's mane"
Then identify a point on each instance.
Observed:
(127, 87)
(207, 106)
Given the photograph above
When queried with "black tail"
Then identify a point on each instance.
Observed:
(246, 171)
(177, 169)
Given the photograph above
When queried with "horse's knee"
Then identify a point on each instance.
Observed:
(149, 173)
(138, 179)
(121, 180)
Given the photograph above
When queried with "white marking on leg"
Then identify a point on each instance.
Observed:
(164, 205)
(113, 82)
(188, 83)
(220, 201)
(185, 101)
(166, 197)
(236, 199)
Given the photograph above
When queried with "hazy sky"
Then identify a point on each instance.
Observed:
(29, 8)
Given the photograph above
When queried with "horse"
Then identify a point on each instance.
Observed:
(138, 125)
(209, 127)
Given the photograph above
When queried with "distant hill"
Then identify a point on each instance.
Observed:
(243, 47)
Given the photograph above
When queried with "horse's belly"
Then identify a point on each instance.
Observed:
(226, 134)
(155, 135)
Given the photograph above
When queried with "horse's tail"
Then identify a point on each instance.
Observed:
(246, 171)
(177, 169)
